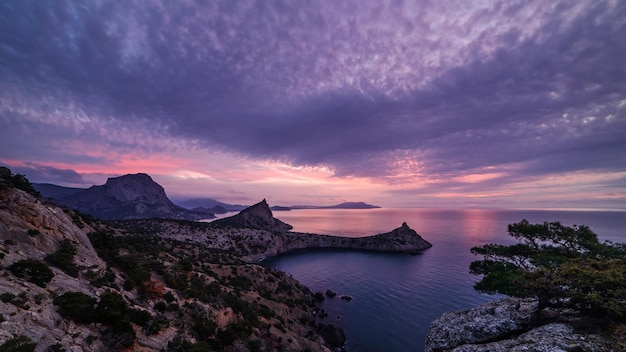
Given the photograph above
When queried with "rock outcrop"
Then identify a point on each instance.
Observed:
(507, 325)
(258, 216)
(126, 197)
(34, 228)
(400, 240)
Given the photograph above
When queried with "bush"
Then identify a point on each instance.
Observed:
(112, 308)
(63, 258)
(33, 271)
(564, 267)
(119, 336)
(18, 344)
(77, 306)
(8, 180)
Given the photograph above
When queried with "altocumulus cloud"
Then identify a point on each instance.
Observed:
(357, 86)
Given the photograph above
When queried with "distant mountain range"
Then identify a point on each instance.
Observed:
(137, 196)
(209, 203)
(344, 205)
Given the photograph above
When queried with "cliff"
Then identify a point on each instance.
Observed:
(400, 240)
(510, 324)
(258, 216)
(279, 241)
(126, 197)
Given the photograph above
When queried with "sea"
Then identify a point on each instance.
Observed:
(395, 297)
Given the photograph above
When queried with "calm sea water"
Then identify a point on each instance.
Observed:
(396, 297)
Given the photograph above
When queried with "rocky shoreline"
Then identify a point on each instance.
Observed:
(511, 324)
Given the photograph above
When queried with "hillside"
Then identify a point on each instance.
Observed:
(73, 283)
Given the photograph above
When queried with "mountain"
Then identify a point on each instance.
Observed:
(125, 197)
(258, 216)
(209, 203)
(344, 205)
(52, 192)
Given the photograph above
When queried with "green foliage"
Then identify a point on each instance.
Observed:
(8, 180)
(7, 297)
(119, 336)
(139, 261)
(33, 271)
(18, 343)
(561, 266)
(112, 308)
(57, 347)
(77, 306)
(63, 258)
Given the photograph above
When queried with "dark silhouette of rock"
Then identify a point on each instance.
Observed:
(344, 205)
(333, 335)
(134, 196)
(258, 216)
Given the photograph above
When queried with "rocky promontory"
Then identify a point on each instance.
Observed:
(278, 240)
(510, 324)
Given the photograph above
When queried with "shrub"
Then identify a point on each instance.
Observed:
(18, 343)
(33, 271)
(112, 308)
(63, 258)
(57, 347)
(7, 297)
(77, 306)
(119, 336)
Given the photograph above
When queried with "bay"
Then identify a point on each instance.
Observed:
(396, 297)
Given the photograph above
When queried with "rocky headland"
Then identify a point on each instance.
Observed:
(271, 237)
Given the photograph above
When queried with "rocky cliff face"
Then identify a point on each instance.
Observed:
(127, 197)
(258, 216)
(31, 228)
(507, 325)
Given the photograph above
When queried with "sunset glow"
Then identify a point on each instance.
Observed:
(399, 104)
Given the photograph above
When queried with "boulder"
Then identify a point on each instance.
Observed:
(487, 322)
(507, 325)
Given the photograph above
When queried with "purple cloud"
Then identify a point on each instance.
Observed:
(351, 85)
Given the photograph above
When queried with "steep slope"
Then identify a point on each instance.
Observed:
(152, 294)
(128, 197)
(258, 216)
(33, 228)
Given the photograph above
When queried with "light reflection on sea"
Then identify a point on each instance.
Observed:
(396, 297)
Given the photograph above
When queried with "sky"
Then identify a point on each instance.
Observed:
(458, 104)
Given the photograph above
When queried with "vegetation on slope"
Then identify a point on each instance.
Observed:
(156, 290)
(563, 267)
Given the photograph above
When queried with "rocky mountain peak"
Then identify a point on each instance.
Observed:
(258, 216)
(133, 187)
(133, 196)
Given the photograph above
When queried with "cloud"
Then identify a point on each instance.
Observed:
(367, 89)
(40, 173)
